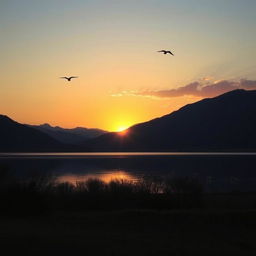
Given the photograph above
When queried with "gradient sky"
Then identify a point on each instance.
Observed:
(111, 45)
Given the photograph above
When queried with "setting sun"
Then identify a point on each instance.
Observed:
(121, 129)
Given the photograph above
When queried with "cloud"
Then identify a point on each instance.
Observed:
(196, 89)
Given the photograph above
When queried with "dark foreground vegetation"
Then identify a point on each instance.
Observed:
(43, 194)
(148, 217)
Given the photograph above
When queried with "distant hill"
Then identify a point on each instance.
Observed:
(73, 136)
(16, 137)
(223, 123)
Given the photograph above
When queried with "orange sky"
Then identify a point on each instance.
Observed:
(112, 47)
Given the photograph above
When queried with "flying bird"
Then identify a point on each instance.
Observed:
(69, 78)
(166, 52)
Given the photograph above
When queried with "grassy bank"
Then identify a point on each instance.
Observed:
(152, 216)
(44, 195)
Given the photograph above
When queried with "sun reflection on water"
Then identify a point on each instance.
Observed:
(104, 176)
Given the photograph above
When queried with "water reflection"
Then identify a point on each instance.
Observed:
(224, 172)
(104, 176)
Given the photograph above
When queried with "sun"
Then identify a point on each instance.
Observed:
(122, 126)
(121, 129)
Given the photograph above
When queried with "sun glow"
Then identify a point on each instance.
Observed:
(121, 129)
(102, 175)
(121, 124)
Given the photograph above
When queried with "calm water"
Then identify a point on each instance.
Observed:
(216, 171)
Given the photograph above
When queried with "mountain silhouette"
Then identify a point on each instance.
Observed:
(223, 123)
(16, 137)
(69, 136)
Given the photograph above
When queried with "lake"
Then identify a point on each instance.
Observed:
(218, 172)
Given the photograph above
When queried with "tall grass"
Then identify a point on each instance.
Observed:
(41, 193)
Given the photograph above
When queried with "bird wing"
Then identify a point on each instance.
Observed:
(64, 77)
(170, 53)
(162, 51)
(73, 77)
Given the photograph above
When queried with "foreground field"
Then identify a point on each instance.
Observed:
(136, 232)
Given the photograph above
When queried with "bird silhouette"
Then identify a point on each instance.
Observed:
(69, 78)
(166, 52)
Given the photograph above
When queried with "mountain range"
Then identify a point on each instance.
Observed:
(72, 136)
(224, 123)
(16, 137)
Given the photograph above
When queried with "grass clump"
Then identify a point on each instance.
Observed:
(42, 193)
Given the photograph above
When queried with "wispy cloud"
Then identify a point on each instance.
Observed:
(196, 89)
